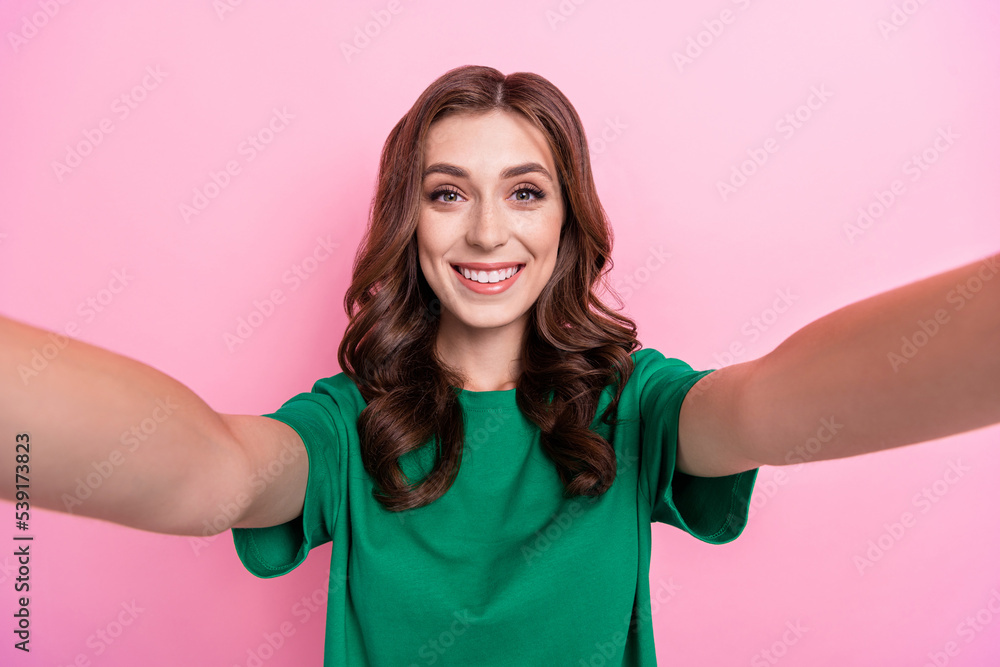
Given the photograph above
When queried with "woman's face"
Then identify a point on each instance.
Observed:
(490, 196)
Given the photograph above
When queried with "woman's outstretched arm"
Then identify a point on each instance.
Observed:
(118, 440)
(912, 364)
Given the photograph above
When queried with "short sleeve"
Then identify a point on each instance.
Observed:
(276, 550)
(713, 509)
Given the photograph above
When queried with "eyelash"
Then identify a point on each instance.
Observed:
(523, 187)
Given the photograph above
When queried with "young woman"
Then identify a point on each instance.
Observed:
(489, 462)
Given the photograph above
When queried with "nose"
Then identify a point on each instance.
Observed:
(487, 225)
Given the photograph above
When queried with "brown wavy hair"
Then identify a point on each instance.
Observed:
(574, 345)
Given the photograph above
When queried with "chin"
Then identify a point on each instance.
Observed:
(482, 322)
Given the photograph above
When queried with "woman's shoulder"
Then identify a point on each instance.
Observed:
(340, 386)
(654, 372)
(337, 394)
(647, 360)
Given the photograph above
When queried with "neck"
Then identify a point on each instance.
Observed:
(488, 359)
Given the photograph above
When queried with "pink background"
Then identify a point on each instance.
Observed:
(670, 133)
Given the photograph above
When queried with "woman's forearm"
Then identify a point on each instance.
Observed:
(912, 364)
(110, 437)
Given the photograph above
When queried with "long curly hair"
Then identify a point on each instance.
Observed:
(574, 345)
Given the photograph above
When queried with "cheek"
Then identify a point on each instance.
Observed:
(429, 258)
(430, 236)
(548, 243)
(425, 245)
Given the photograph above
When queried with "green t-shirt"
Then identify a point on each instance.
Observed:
(501, 570)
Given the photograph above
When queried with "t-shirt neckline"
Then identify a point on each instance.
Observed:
(503, 398)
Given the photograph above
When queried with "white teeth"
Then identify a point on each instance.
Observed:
(488, 276)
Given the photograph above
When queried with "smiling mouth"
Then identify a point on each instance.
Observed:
(487, 277)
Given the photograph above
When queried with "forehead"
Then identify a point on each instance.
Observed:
(487, 141)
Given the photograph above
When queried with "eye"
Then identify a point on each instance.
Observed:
(447, 191)
(527, 188)
(525, 193)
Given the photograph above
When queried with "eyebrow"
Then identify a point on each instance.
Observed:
(509, 172)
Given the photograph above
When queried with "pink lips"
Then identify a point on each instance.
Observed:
(487, 288)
